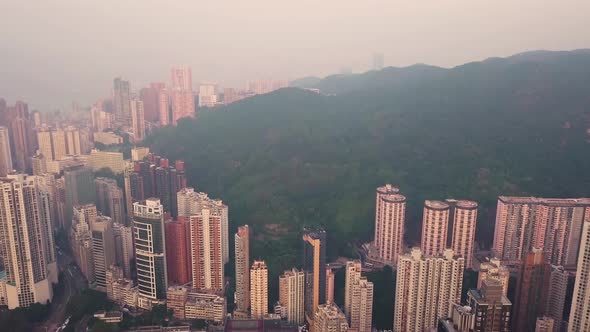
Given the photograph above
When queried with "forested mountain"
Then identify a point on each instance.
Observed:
(513, 126)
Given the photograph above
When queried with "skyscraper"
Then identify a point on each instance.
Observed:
(531, 290)
(79, 189)
(103, 250)
(491, 307)
(557, 293)
(5, 154)
(330, 285)
(461, 231)
(181, 78)
(59, 144)
(181, 94)
(23, 138)
(314, 267)
(292, 291)
(579, 319)
(206, 250)
(435, 223)
(329, 318)
(123, 248)
(190, 202)
(149, 97)
(137, 120)
(259, 290)
(420, 298)
(242, 258)
(81, 239)
(178, 251)
(358, 298)
(524, 223)
(122, 101)
(390, 215)
(150, 246)
(109, 199)
(26, 242)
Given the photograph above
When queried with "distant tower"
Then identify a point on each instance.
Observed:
(358, 298)
(291, 290)
(23, 138)
(150, 255)
(314, 267)
(461, 231)
(557, 293)
(242, 253)
(579, 319)
(390, 215)
(259, 290)
(178, 251)
(122, 101)
(206, 250)
(79, 189)
(137, 120)
(103, 249)
(531, 290)
(329, 286)
(5, 154)
(109, 199)
(435, 224)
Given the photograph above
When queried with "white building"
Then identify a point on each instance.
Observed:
(291, 295)
(259, 290)
(358, 298)
(390, 216)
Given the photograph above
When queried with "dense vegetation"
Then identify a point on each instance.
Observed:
(514, 126)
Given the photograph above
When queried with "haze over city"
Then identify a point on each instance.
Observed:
(61, 51)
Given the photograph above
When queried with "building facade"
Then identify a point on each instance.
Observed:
(206, 250)
(178, 251)
(531, 290)
(258, 290)
(314, 268)
(390, 216)
(291, 295)
(242, 259)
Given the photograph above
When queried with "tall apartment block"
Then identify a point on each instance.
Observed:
(291, 295)
(206, 250)
(178, 251)
(103, 250)
(531, 290)
(137, 120)
(579, 319)
(191, 202)
(181, 94)
(329, 318)
(390, 215)
(109, 199)
(81, 239)
(79, 190)
(420, 298)
(494, 269)
(524, 223)
(150, 246)
(122, 101)
(24, 141)
(358, 298)
(242, 261)
(5, 154)
(434, 227)
(123, 248)
(490, 306)
(314, 268)
(26, 242)
(258, 290)
(149, 96)
(330, 285)
(556, 294)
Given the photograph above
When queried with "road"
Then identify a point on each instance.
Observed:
(73, 282)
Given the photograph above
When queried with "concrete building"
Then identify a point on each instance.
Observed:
(358, 298)
(5, 154)
(104, 159)
(266, 86)
(435, 224)
(150, 249)
(314, 268)
(107, 138)
(242, 260)
(122, 101)
(557, 293)
(258, 290)
(205, 306)
(531, 290)
(524, 223)
(329, 286)
(491, 306)
(181, 95)
(119, 289)
(79, 190)
(390, 216)
(494, 269)
(206, 250)
(462, 224)
(109, 199)
(123, 248)
(329, 318)
(23, 138)
(103, 250)
(579, 319)
(137, 120)
(26, 242)
(178, 251)
(149, 97)
(81, 239)
(420, 298)
(463, 318)
(39, 164)
(191, 202)
(138, 154)
(208, 95)
(545, 324)
(291, 295)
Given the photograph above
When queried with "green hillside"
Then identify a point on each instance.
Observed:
(514, 126)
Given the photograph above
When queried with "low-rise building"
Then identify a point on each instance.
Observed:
(187, 303)
(109, 316)
(107, 138)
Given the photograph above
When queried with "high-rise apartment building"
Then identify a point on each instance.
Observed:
(5, 154)
(420, 298)
(491, 309)
(150, 247)
(329, 318)
(461, 230)
(266, 86)
(191, 202)
(435, 223)
(122, 101)
(330, 285)
(103, 250)
(494, 269)
(358, 298)
(123, 248)
(579, 319)
(137, 120)
(181, 78)
(26, 242)
(258, 290)
(149, 97)
(291, 295)
(524, 223)
(109, 199)
(531, 290)
(181, 94)
(353, 275)
(390, 215)
(207, 95)
(314, 268)
(164, 111)
(556, 293)
(81, 239)
(74, 141)
(206, 250)
(79, 189)
(242, 260)
(178, 251)
(23, 138)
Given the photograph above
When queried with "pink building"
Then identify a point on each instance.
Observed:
(390, 216)
(181, 97)
(435, 223)
(150, 98)
(181, 78)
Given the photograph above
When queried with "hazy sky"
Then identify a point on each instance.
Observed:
(55, 52)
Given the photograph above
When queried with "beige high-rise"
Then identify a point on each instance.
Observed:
(358, 298)
(259, 290)
(206, 250)
(5, 154)
(137, 120)
(557, 293)
(464, 219)
(329, 318)
(291, 295)
(494, 269)
(353, 275)
(242, 252)
(420, 298)
(435, 224)
(390, 215)
(579, 319)
(103, 250)
(329, 286)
